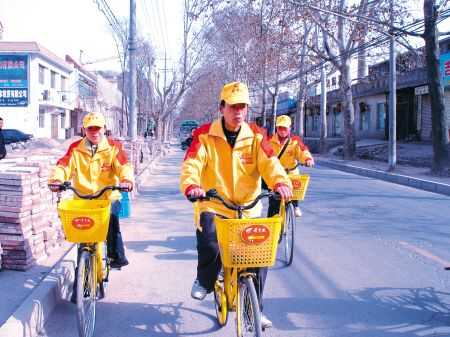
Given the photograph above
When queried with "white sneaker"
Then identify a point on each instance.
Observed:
(198, 292)
(298, 212)
(265, 322)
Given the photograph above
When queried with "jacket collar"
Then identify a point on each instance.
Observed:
(217, 131)
(102, 146)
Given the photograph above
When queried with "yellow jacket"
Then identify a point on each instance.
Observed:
(88, 173)
(235, 173)
(295, 151)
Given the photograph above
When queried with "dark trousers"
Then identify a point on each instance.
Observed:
(114, 239)
(274, 206)
(209, 263)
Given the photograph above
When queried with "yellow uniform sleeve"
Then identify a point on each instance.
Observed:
(270, 167)
(193, 165)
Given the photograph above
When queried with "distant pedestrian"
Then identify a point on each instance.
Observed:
(2, 141)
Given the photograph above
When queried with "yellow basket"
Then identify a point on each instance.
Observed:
(85, 221)
(248, 242)
(299, 185)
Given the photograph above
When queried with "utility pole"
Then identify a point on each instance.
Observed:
(323, 103)
(132, 130)
(392, 95)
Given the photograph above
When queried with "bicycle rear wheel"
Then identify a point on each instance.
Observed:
(86, 294)
(288, 234)
(248, 315)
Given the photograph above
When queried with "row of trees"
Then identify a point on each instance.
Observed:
(266, 43)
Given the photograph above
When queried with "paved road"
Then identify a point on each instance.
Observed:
(368, 262)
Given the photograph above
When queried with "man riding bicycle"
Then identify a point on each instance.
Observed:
(92, 163)
(289, 149)
(230, 156)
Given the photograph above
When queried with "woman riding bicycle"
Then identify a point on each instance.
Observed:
(92, 163)
(230, 156)
(292, 150)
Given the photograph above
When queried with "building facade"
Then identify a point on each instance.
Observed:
(34, 90)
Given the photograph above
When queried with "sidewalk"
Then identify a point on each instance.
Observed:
(412, 169)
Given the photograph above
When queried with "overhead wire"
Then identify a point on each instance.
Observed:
(379, 40)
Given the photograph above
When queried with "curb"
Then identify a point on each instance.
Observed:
(421, 184)
(31, 315)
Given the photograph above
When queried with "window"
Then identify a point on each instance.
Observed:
(63, 83)
(328, 82)
(333, 81)
(381, 115)
(315, 122)
(41, 117)
(52, 79)
(41, 74)
(63, 120)
(364, 117)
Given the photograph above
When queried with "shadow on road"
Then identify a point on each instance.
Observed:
(371, 312)
(140, 319)
(180, 247)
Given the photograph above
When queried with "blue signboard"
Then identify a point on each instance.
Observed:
(285, 105)
(444, 61)
(13, 80)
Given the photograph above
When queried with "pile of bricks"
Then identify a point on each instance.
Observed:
(29, 226)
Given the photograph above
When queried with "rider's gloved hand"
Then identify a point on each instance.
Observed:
(54, 185)
(309, 162)
(284, 191)
(195, 191)
(126, 184)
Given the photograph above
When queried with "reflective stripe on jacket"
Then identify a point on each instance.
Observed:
(90, 173)
(235, 173)
(296, 150)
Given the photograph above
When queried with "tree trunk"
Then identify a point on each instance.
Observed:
(274, 111)
(439, 127)
(348, 110)
(323, 110)
(301, 113)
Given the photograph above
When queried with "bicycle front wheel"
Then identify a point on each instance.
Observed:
(288, 234)
(86, 294)
(248, 315)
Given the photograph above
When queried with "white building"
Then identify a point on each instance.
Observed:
(35, 96)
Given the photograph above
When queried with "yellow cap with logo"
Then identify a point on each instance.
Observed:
(284, 121)
(235, 93)
(94, 119)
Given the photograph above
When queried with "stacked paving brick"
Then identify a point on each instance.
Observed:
(29, 227)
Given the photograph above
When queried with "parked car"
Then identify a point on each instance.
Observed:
(14, 136)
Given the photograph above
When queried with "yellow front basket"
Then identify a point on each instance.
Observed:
(300, 184)
(85, 221)
(248, 242)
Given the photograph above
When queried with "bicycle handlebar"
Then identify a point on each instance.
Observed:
(67, 186)
(293, 168)
(212, 194)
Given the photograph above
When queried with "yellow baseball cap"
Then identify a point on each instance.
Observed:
(94, 119)
(284, 121)
(235, 93)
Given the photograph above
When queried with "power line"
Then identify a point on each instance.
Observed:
(379, 40)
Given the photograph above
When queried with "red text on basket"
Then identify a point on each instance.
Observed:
(296, 183)
(82, 222)
(255, 234)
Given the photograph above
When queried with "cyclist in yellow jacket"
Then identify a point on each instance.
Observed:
(293, 151)
(92, 163)
(230, 156)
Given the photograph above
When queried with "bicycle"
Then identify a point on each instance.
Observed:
(300, 184)
(243, 244)
(85, 222)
